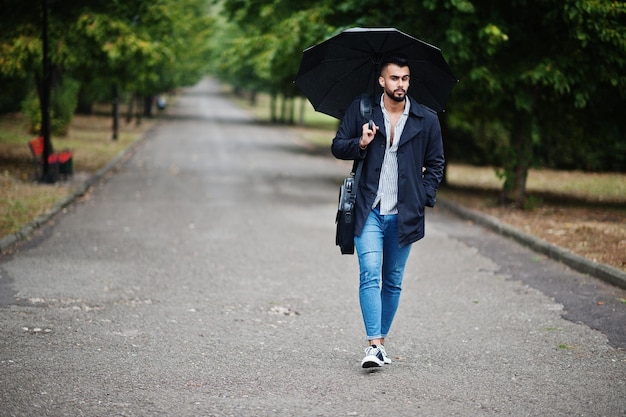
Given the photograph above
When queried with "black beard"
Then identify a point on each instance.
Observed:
(396, 99)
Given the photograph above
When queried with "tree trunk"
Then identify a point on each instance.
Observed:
(147, 105)
(47, 174)
(129, 110)
(138, 116)
(283, 110)
(302, 110)
(273, 108)
(115, 112)
(292, 111)
(514, 188)
(85, 103)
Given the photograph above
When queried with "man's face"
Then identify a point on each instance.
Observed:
(395, 81)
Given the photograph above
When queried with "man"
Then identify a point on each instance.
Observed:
(403, 161)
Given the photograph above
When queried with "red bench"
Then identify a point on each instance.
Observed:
(59, 163)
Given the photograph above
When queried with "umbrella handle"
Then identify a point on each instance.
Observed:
(365, 105)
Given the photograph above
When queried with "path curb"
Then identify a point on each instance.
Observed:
(8, 242)
(601, 271)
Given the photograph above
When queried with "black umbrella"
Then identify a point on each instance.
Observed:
(336, 71)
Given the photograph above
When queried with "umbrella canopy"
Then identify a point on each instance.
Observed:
(336, 71)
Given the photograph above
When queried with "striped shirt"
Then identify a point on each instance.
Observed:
(387, 195)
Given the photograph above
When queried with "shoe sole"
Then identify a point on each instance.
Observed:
(372, 362)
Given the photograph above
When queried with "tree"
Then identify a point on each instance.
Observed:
(128, 45)
(260, 40)
(148, 47)
(527, 68)
(540, 64)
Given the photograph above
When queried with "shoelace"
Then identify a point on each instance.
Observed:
(383, 351)
(374, 351)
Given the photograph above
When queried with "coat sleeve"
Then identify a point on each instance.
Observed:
(433, 162)
(346, 142)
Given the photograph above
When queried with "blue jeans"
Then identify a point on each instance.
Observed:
(381, 261)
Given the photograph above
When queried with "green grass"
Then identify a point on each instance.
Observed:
(13, 129)
(316, 128)
(598, 187)
(21, 198)
(311, 118)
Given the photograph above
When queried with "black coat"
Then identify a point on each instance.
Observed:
(420, 165)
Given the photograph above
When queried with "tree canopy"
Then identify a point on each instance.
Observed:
(144, 46)
(539, 79)
(542, 82)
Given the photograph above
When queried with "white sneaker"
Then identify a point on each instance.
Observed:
(373, 357)
(386, 358)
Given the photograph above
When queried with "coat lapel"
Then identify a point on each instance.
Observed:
(413, 124)
(378, 118)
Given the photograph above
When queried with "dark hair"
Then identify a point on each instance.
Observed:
(400, 60)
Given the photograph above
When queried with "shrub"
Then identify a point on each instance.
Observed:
(63, 102)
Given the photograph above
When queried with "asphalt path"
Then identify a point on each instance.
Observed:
(201, 279)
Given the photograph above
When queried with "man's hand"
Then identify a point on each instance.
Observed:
(368, 135)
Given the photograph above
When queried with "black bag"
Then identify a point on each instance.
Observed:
(344, 237)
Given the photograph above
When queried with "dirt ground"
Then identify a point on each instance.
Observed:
(597, 232)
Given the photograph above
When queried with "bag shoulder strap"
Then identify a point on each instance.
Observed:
(357, 167)
(365, 107)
